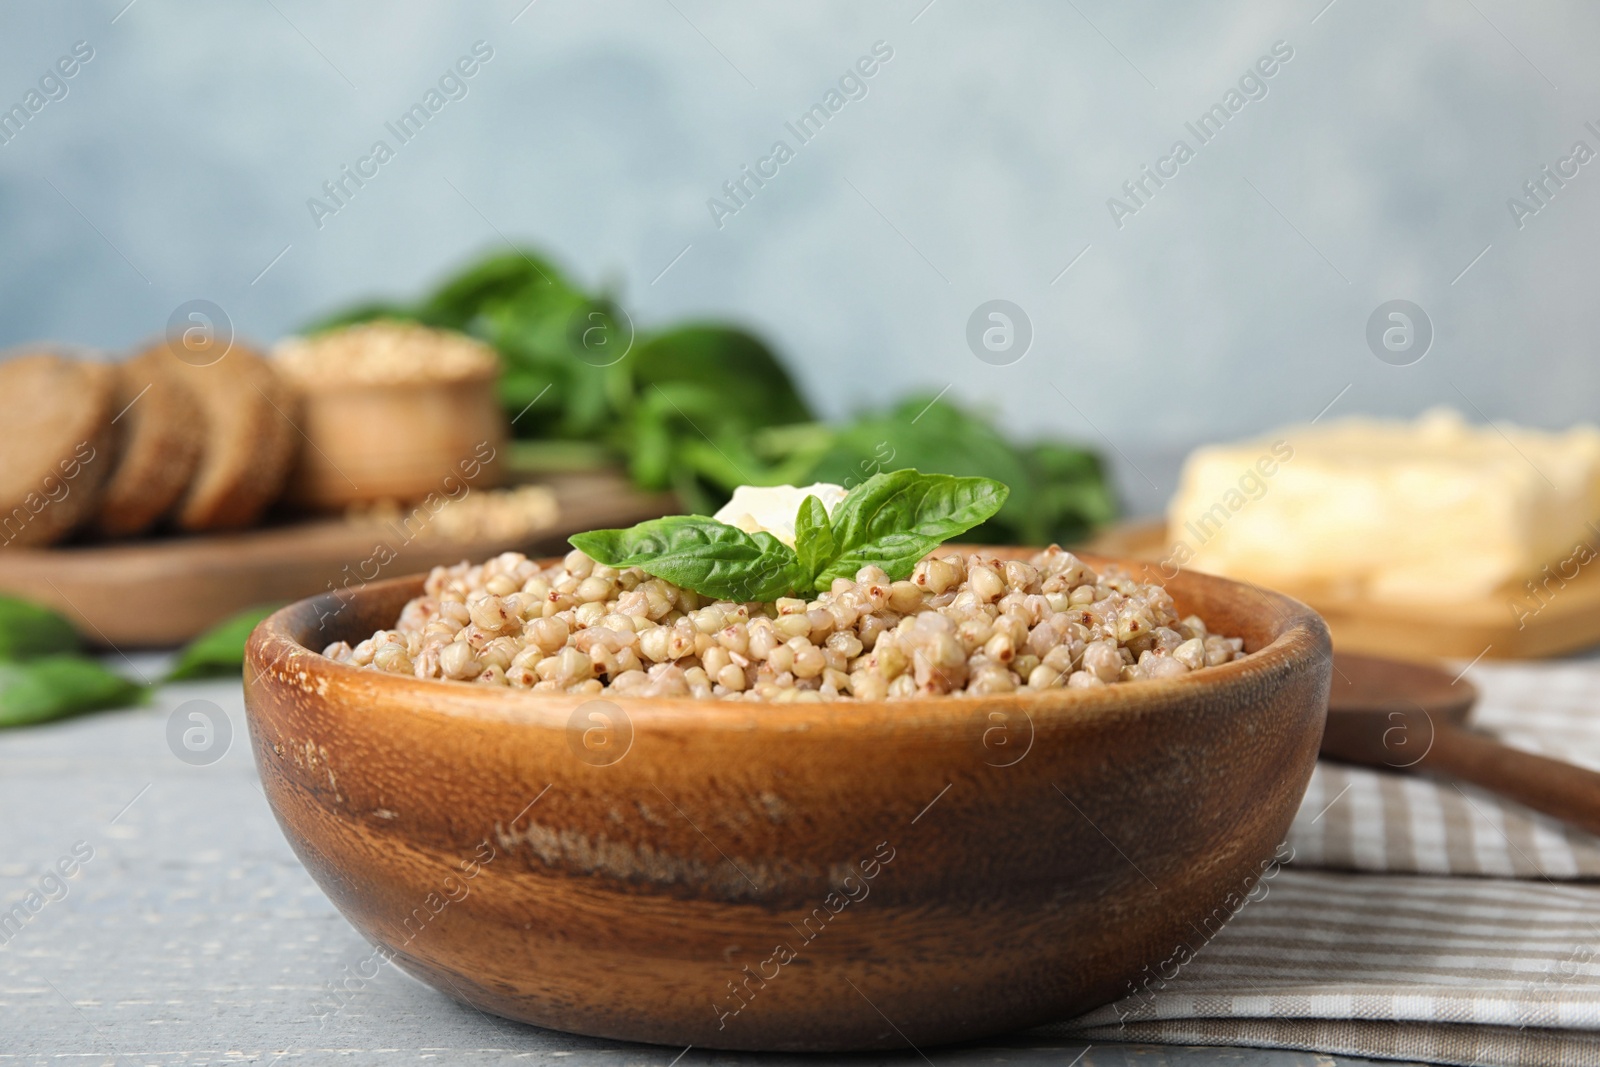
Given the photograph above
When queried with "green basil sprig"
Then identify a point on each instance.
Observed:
(891, 520)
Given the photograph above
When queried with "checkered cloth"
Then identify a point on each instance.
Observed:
(1365, 820)
(1374, 954)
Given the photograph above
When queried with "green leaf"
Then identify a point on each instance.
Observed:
(928, 435)
(555, 456)
(1059, 492)
(748, 384)
(56, 686)
(702, 408)
(650, 458)
(690, 491)
(526, 394)
(511, 276)
(534, 331)
(26, 629)
(220, 650)
(701, 554)
(814, 543)
(1072, 494)
(893, 520)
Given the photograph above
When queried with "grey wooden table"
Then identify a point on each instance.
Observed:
(192, 935)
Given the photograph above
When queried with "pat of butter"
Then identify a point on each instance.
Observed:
(1426, 511)
(773, 508)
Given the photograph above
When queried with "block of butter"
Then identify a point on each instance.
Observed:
(1433, 510)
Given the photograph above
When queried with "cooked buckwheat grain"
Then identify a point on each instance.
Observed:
(960, 624)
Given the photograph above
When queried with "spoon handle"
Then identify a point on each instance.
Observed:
(1569, 793)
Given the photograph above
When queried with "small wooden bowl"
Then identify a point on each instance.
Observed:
(400, 441)
(787, 876)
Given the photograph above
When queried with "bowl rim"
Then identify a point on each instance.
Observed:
(1299, 635)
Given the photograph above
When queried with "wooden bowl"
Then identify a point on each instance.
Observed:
(397, 441)
(787, 876)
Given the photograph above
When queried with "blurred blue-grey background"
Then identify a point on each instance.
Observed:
(1376, 163)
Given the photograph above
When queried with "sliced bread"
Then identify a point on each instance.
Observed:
(56, 447)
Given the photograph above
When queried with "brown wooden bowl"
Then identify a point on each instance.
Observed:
(787, 876)
(397, 441)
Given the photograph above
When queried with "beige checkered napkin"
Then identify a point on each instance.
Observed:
(1487, 971)
(1365, 820)
(1477, 972)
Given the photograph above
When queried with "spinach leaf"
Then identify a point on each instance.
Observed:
(1071, 496)
(894, 519)
(534, 333)
(935, 437)
(26, 629)
(694, 395)
(702, 408)
(1058, 492)
(698, 553)
(220, 650)
(514, 276)
(814, 543)
(733, 368)
(51, 687)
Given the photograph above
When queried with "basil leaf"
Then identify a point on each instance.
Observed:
(698, 553)
(26, 630)
(55, 686)
(220, 650)
(892, 520)
(813, 541)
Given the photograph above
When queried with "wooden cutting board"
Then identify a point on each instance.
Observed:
(1511, 624)
(161, 592)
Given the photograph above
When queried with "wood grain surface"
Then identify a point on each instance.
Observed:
(1514, 623)
(161, 592)
(787, 877)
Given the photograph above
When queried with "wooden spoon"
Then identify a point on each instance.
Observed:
(1409, 717)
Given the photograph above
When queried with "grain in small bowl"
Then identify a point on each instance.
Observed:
(392, 411)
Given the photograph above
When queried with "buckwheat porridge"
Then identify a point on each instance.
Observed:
(958, 624)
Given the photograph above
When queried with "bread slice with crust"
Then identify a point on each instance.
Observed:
(160, 432)
(56, 445)
(250, 438)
